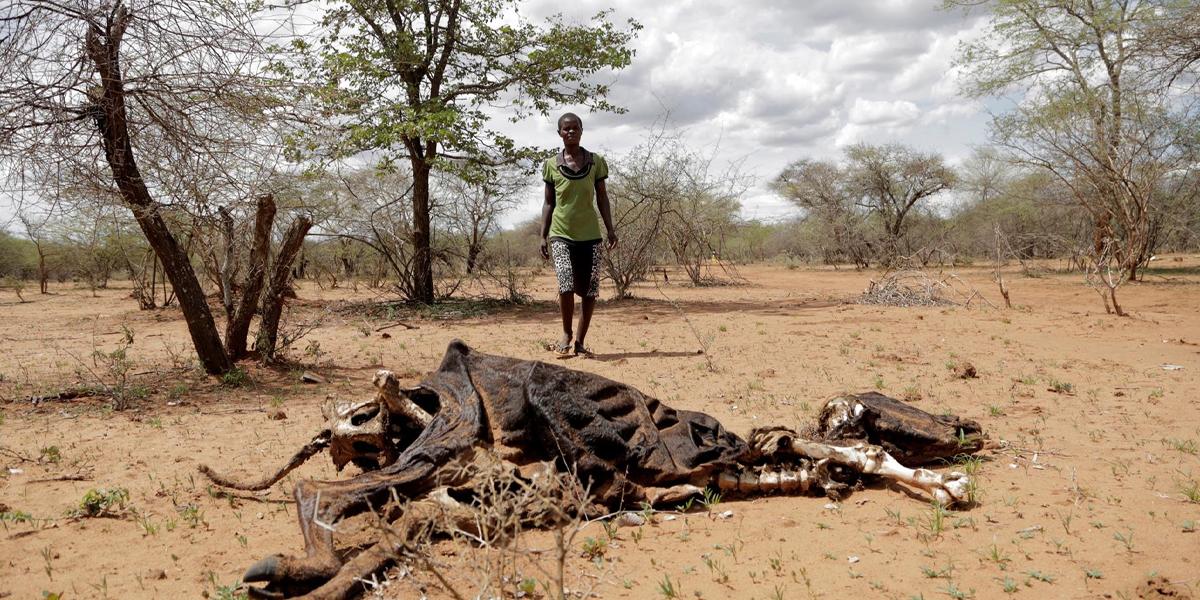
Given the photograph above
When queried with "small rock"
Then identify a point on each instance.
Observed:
(965, 370)
(852, 559)
(15, 471)
(831, 506)
(670, 518)
(156, 574)
(258, 516)
(725, 515)
(310, 377)
(277, 415)
(631, 520)
(385, 335)
(1172, 367)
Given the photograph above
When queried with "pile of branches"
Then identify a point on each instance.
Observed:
(908, 288)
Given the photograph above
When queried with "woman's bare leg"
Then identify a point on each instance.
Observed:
(588, 305)
(566, 305)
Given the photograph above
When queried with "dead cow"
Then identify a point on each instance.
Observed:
(623, 447)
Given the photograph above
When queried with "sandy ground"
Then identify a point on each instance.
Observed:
(1093, 494)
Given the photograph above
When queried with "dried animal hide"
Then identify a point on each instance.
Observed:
(623, 446)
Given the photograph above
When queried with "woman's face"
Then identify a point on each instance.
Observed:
(570, 130)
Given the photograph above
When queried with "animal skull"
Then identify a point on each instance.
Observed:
(360, 433)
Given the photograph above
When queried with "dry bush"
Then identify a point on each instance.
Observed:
(907, 288)
(487, 523)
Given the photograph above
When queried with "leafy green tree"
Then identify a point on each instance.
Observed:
(411, 80)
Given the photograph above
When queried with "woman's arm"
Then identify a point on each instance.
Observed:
(606, 213)
(547, 216)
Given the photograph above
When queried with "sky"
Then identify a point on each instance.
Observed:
(762, 83)
(765, 83)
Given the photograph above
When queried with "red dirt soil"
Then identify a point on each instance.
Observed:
(1093, 492)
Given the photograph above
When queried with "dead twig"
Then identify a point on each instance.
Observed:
(703, 345)
(15, 455)
(397, 324)
(229, 411)
(68, 394)
(906, 288)
(71, 477)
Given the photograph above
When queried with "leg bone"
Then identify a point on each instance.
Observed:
(951, 488)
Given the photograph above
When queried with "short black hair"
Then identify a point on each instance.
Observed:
(569, 115)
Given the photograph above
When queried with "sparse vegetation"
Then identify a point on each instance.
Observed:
(102, 502)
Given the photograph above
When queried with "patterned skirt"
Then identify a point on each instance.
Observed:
(577, 266)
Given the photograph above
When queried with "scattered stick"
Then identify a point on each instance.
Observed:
(13, 454)
(906, 288)
(397, 324)
(974, 292)
(70, 394)
(703, 346)
(72, 477)
(230, 411)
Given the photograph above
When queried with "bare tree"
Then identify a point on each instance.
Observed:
(35, 230)
(275, 295)
(701, 212)
(150, 102)
(471, 208)
(1173, 36)
(367, 206)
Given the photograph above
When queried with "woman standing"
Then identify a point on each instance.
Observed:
(571, 230)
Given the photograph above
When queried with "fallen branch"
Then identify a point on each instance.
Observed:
(69, 394)
(703, 346)
(16, 455)
(72, 477)
(397, 324)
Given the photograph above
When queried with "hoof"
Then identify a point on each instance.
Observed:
(263, 594)
(263, 570)
(956, 489)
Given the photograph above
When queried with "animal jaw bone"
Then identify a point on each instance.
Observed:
(952, 488)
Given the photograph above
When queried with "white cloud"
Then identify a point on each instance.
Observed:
(770, 82)
(896, 113)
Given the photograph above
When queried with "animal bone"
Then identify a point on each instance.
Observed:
(867, 459)
(622, 447)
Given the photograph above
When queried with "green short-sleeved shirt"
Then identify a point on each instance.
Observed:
(575, 217)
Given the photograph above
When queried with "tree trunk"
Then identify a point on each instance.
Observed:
(43, 274)
(422, 272)
(226, 269)
(272, 302)
(473, 257)
(239, 321)
(110, 118)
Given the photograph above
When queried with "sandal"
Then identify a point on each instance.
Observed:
(560, 348)
(581, 350)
